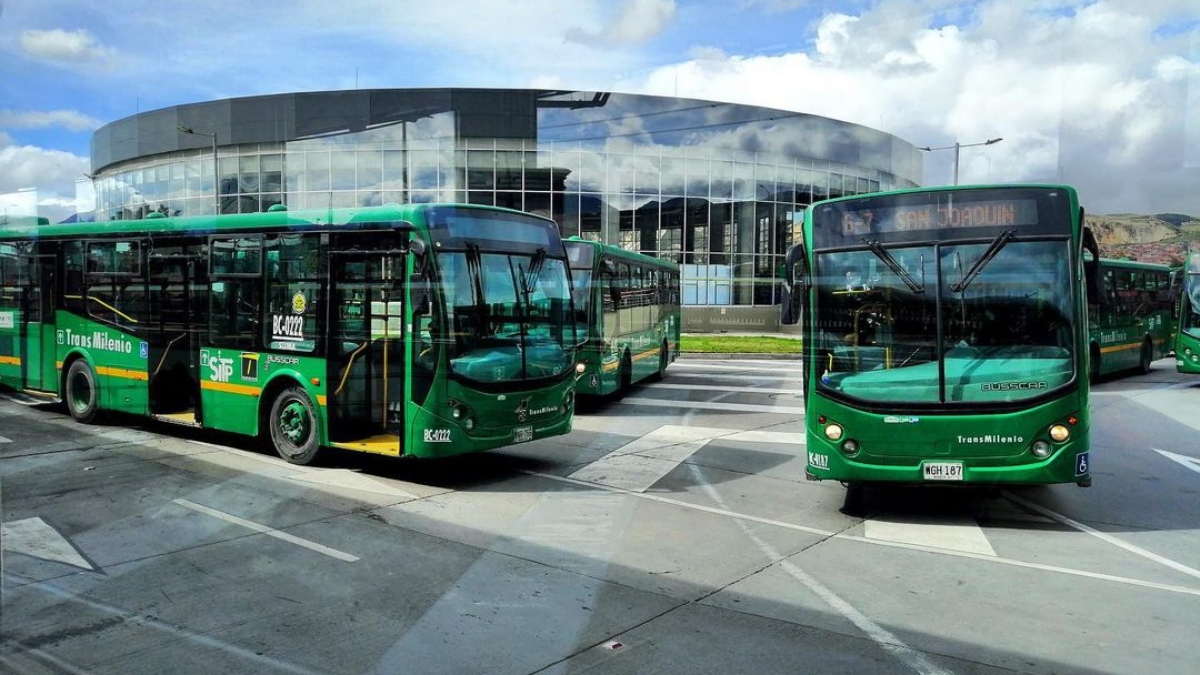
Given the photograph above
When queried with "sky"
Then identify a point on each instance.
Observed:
(1102, 95)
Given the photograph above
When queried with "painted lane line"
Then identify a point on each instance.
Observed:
(5, 440)
(885, 639)
(270, 532)
(174, 632)
(704, 405)
(1012, 562)
(1137, 550)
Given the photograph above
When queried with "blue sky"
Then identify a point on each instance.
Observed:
(1104, 95)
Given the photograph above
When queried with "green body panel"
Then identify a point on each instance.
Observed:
(501, 419)
(13, 348)
(1120, 330)
(117, 358)
(993, 447)
(233, 384)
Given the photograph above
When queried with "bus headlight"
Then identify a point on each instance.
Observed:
(834, 431)
(579, 368)
(850, 447)
(468, 423)
(1059, 433)
(1041, 448)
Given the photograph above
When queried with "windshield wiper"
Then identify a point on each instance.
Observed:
(534, 271)
(475, 270)
(882, 253)
(997, 244)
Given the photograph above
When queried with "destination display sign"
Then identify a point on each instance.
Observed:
(950, 214)
(934, 216)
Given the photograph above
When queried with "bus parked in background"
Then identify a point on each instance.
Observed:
(1131, 321)
(945, 335)
(1187, 334)
(627, 305)
(419, 330)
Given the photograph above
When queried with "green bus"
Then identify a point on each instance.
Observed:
(1187, 335)
(422, 330)
(1131, 320)
(627, 306)
(945, 335)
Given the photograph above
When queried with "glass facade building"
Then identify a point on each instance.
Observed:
(716, 187)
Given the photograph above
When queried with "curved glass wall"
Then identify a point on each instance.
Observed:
(718, 188)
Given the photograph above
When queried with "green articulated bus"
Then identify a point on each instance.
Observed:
(627, 306)
(945, 335)
(1187, 337)
(1131, 322)
(421, 330)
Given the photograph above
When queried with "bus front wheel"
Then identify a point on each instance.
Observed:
(293, 426)
(83, 401)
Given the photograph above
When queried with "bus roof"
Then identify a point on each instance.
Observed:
(280, 219)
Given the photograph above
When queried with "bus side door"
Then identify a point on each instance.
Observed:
(36, 325)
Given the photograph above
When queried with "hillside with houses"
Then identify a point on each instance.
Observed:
(1158, 238)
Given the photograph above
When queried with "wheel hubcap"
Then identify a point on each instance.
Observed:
(293, 423)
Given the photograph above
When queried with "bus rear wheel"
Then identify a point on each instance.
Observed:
(293, 426)
(83, 401)
(1147, 357)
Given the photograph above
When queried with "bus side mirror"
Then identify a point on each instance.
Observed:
(795, 285)
(419, 290)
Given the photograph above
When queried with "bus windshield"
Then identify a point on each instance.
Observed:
(1189, 321)
(979, 321)
(509, 314)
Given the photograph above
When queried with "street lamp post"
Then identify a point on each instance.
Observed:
(212, 136)
(958, 146)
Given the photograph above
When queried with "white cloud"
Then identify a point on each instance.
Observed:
(67, 119)
(636, 21)
(1094, 94)
(53, 172)
(62, 46)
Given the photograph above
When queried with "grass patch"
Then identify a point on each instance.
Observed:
(738, 344)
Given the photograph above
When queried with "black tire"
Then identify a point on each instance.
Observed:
(1147, 357)
(293, 427)
(80, 393)
(664, 358)
(624, 377)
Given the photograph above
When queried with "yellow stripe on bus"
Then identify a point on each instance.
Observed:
(1120, 348)
(123, 373)
(379, 445)
(10, 360)
(228, 388)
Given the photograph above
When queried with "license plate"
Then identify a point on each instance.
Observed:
(522, 434)
(943, 470)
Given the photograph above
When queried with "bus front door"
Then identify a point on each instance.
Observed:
(365, 351)
(178, 311)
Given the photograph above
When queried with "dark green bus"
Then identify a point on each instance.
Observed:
(945, 335)
(420, 330)
(628, 311)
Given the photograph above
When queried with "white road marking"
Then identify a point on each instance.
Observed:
(1162, 560)
(1190, 462)
(32, 536)
(705, 405)
(885, 639)
(270, 532)
(639, 464)
(1128, 581)
(5, 440)
(744, 365)
(955, 534)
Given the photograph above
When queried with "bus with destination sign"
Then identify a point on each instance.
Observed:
(627, 306)
(945, 335)
(421, 330)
